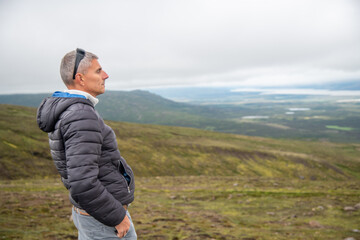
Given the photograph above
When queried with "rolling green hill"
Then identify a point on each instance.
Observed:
(154, 150)
(144, 107)
(28, 100)
(277, 120)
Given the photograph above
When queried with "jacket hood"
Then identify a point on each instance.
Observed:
(51, 108)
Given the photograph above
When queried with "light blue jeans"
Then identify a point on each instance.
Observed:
(90, 229)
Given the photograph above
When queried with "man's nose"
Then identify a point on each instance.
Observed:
(105, 76)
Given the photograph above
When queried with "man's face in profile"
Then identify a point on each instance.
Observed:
(94, 79)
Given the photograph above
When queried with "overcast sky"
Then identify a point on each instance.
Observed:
(154, 43)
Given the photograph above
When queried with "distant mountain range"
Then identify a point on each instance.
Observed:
(344, 85)
(257, 115)
(144, 107)
(28, 100)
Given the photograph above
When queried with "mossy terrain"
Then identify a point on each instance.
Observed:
(190, 184)
(196, 207)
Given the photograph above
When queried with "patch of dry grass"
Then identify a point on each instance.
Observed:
(199, 207)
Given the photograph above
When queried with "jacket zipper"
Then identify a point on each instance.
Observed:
(128, 184)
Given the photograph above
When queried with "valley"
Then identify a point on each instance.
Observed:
(302, 117)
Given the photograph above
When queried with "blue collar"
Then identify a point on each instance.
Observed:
(67, 95)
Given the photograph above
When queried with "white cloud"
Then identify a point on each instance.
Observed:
(199, 42)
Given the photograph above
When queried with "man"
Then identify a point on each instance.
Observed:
(85, 151)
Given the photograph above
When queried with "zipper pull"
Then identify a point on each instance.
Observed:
(128, 189)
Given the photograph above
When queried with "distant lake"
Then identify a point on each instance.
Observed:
(348, 100)
(255, 117)
(298, 109)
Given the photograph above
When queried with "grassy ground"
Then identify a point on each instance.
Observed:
(199, 207)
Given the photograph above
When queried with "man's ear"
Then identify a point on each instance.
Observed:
(79, 79)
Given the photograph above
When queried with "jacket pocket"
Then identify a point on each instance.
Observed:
(126, 172)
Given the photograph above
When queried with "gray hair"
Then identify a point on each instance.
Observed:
(67, 66)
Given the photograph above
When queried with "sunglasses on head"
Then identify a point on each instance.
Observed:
(80, 54)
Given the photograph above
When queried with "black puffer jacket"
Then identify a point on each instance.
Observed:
(86, 155)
